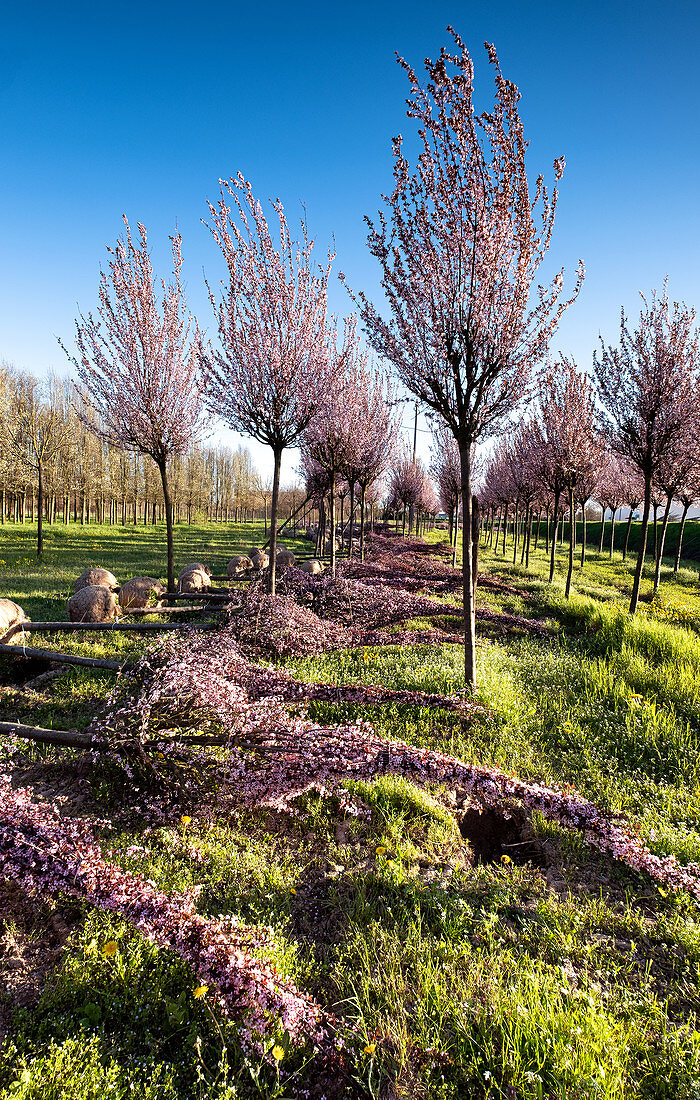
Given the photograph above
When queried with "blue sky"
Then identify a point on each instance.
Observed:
(140, 108)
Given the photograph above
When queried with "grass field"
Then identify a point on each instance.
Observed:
(555, 972)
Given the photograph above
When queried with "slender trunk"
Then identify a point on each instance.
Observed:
(537, 531)
(505, 529)
(642, 545)
(454, 545)
(40, 513)
(468, 569)
(627, 535)
(525, 533)
(163, 470)
(677, 560)
(352, 511)
(583, 539)
(602, 530)
(331, 486)
(572, 540)
(515, 535)
(612, 531)
(277, 451)
(529, 537)
(546, 532)
(656, 535)
(660, 555)
(554, 537)
(363, 490)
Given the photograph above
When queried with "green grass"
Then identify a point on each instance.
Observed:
(572, 977)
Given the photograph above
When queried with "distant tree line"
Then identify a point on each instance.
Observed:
(53, 469)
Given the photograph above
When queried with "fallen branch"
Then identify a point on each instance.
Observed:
(30, 654)
(99, 628)
(69, 738)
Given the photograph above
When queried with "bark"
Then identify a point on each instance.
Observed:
(583, 539)
(677, 560)
(163, 470)
(277, 451)
(505, 529)
(642, 545)
(468, 568)
(602, 530)
(612, 531)
(572, 540)
(350, 519)
(554, 537)
(363, 490)
(456, 535)
(40, 513)
(515, 535)
(331, 506)
(662, 541)
(627, 535)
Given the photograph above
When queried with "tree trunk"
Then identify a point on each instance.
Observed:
(525, 533)
(612, 531)
(602, 530)
(515, 535)
(505, 529)
(656, 533)
(554, 537)
(662, 541)
(642, 545)
(277, 451)
(40, 513)
(331, 486)
(162, 467)
(572, 540)
(352, 509)
(677, 560)
(456, 533)
(363, 490)
(627, 535)
(468, 568)
(583, 539)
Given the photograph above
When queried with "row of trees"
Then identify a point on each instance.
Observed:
(626, 437)
(464, 323)
(52, 467)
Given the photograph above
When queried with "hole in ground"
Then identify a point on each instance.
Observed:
(493, 833)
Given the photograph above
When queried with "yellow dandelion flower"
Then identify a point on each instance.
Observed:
(370, 1048)
(292, 890)
(380, 850)
(277, 1052)
(110, 949)
(506, 859)
(200, 991)
(185, 819)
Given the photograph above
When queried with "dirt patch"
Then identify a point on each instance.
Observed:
(494, 834)
(33, 935)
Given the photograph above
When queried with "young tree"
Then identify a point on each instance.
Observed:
(459, 251)
(646, 387)
(330, 437)
(38, 434)
(273, 370)
(567, 447)
(138, 363)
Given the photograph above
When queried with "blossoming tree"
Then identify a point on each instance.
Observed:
(459, 250)
(138, 363)
(273, 368)
(646, 387)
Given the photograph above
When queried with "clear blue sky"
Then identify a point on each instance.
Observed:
(140, 108)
